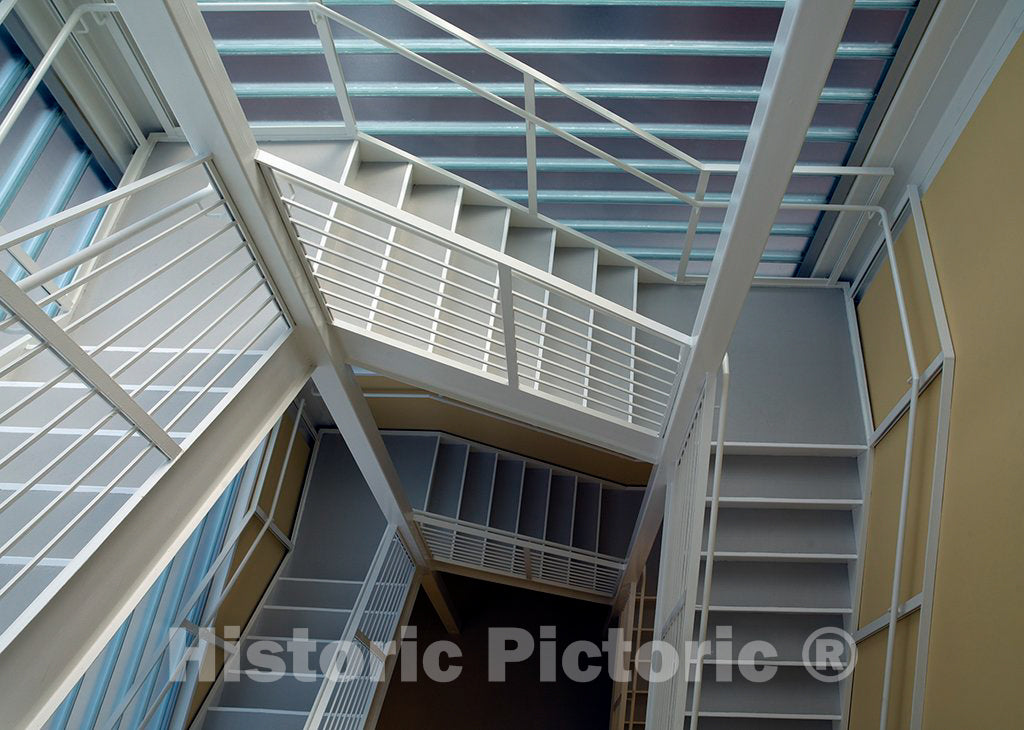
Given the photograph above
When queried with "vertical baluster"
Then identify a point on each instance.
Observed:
(530, 102)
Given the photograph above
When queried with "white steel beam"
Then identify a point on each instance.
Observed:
(344, 398)
(809, 33)
(42, 660)
(173, 38)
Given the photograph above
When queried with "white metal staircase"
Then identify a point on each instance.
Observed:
(424, 277)
(422, 270)
(493, 513)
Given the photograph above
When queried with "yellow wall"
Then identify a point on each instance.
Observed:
(975, 216)
(240, 602)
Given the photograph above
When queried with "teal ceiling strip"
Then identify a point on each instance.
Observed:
(587, 129)
(660, 92)
(549, 46)
(703, 254)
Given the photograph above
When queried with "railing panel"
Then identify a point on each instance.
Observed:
(384, 272)
(678, 573)
(357, 666)
(115, 356)
(485, 548)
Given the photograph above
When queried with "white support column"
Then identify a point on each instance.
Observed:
(351, 413)
(176, 44)
(173, 38)
(42, 659)
(809, 33)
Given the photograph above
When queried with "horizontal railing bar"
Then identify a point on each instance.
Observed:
(625, 225)
(107, 265)
(393, 244)
(376, 209)
(227, 366)
(75, 520)
(392, 275)
(58, 339)
(629, 197)
(179, 387)
(37, 434)
(117, 371)
(586, 351)
(516, 540)
(101, 201)
(584, 383)
(380, 301)
(24, 528)
(396, 262)
(669, 92)
(97, 248)
(203, 332)
(590, 367)
(549, 308)
(100, 308)
(428, 342)
(548, 350)
(628, 417)
(103, 307)
(39, 390)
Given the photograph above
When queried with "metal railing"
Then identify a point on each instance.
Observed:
(115, 366)
(459, 542)
(385, 272)
(534, 84)
(679, 571)
(357, 666)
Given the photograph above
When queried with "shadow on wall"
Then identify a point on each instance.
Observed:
(523, 700)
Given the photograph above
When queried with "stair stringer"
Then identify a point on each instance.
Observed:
(582, 379)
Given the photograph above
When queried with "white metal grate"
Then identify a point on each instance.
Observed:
(496, 551)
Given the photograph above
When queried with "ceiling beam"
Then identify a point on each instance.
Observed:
(809, 32)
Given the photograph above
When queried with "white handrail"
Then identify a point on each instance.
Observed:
(391, 567)
(397, 217)
(597, 558)
(705, 603)
(532, 121)
(325, 694)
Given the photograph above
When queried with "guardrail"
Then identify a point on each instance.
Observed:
(357, 666)
(385, 272)
(114, 358)
(464, 543)
(679, 570)
(535, 83)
